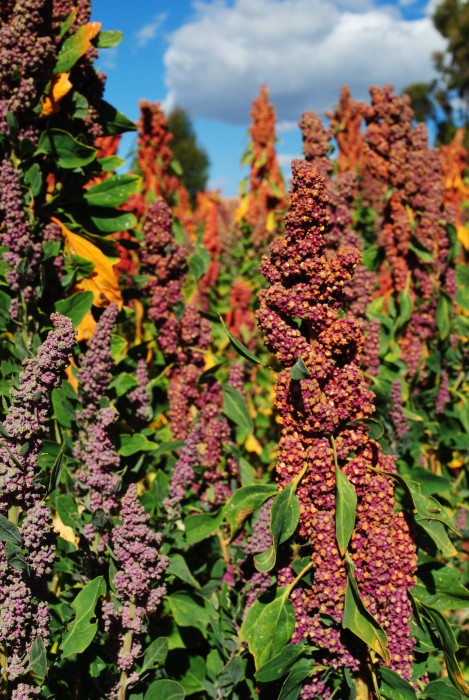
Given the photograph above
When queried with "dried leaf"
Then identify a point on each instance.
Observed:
(103, 281)
(60, 86)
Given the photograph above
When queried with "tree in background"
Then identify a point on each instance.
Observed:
(435, 101)
(193, 159)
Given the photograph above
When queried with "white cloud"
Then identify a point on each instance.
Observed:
(303, 50)
(149, 31)
(285, 159)
(108, 58)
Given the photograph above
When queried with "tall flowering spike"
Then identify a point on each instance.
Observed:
(27, 417)
(453, 158)
(154, 157)
(164, 262)
(27, 55)
(266, 189)
(413, 215)
(299, 315)
(16, 234)
(25, 613)
(208, 214)
(98, 477)
(139, 585)
(340, 192)
(346, 123)
(140, 396)
(94, 374)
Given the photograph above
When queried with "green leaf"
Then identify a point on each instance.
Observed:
(167, 447)
(440, 588)
(109, 221)
(118, 348)
(110, 163)
(299, 370)
(280, 664)
(123, 383)
(38, 659)
(176, 167)
(393, 687)
(113, 191)
(462, 286)
(449, 646)
(443, 316)
(81, 631)
(241, 349)
(199, 262)
(268, 627)
(292, 687)
(56, 472)
(284, 518)
(202, 525)
(359, 621)
(68, 151)
(440, 690)
(64, 411)
(438, 534)
(187, 612)
(234, 407)
(131, 444)
(114, 121)
(15, 557)
(107, 39)
(33, 179)
(420, 251)
(9, 532)
(178, 567)
(346, 510)
(405, 308)
(430, 514)
(165, 690)
(73, 48)
(155, 654)
(246, 472)
(66, 509)
(75, 307)
(244, 501)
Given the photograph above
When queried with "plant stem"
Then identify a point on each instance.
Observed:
(126, 648)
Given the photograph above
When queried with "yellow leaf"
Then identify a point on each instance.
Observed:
(270, 223)
(139, 313)
(210, 361)
(65, 531)
(103, 280)
(70, 375)
(241, 211)
(463, 236)
(252, 445)
(59, 87)
(86, 327)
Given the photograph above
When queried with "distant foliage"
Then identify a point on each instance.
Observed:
(233, 433)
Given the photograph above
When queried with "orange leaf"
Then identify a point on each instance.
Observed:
(70, 375)
(59, 87)
(103, 281)
(463, 236)
(86, 327)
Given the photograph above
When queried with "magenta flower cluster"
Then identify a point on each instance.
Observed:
(98, 476)
(22, 592)
(139, 581)
(299, 316)
(16, 234)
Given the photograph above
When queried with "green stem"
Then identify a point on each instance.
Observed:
(126, 648)
(292, 585)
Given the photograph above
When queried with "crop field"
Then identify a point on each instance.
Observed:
(234, 431)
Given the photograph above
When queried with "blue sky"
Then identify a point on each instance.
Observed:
(211, 57)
